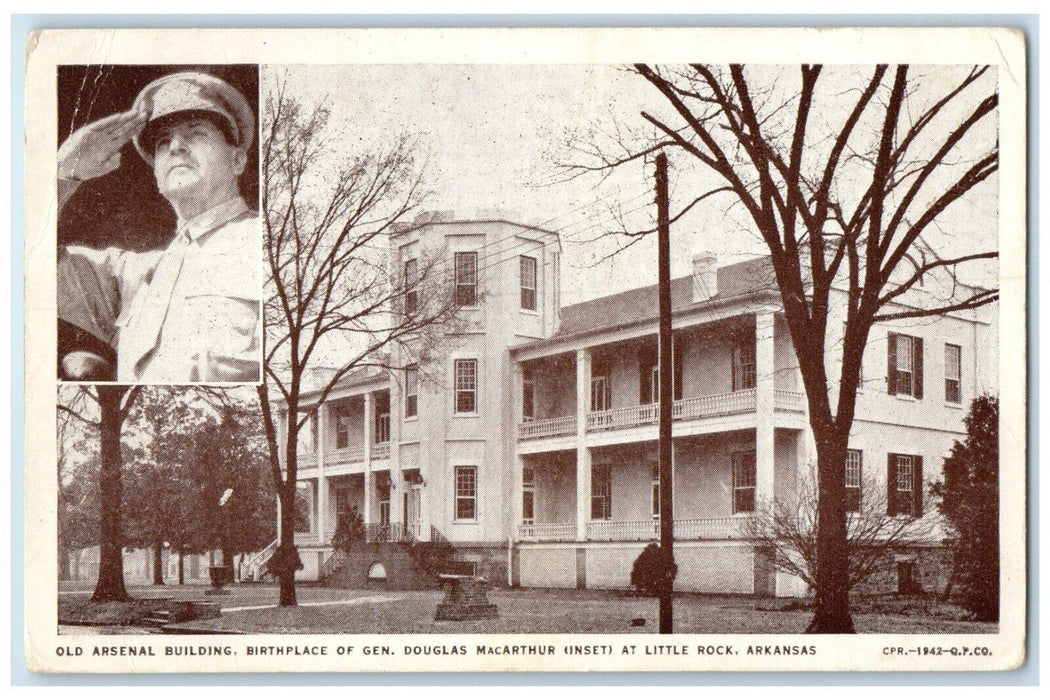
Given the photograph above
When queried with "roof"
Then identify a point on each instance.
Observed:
(640, 304)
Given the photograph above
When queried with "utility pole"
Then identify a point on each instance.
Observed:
(663, 238)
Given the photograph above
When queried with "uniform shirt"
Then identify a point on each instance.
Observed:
(191, 312)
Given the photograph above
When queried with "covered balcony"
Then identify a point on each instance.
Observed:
(727, 374)
(346, 433)
(717, 489)
(728, 404)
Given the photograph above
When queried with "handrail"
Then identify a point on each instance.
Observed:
(346, 455)
(547, 427)
(333, 562)
(724, 528)
(547, 532)
(381, 450)
(725, 404)
(258, 560)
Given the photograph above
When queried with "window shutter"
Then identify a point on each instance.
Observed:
(916, 344)
(917, 485)
(891, 484)
(891, 364)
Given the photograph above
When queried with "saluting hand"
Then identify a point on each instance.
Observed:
(94, 149)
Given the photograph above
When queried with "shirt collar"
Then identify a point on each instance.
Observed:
(213, 218)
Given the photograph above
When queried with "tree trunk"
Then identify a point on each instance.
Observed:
(286, 550)
(63, 564)
(158, 569)
(182, 567)
(110, 585)
(831, 609)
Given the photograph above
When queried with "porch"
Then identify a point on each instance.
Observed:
(613, 494)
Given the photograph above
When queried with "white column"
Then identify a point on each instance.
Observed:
(397, 484)
(322, 482)
(764, 396)
(519, 476)
(583, 453)
(369, 423)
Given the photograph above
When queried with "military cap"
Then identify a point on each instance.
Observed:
(194, 93)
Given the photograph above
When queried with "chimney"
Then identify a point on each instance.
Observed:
(705, 276)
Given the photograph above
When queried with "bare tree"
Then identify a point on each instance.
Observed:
(788, 529)
(334, 303)
(840, 176)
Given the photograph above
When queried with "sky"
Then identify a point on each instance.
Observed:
(493, 135)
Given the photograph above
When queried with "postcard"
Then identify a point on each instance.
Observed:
(525, 350)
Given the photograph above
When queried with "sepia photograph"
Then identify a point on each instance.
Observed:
(160, 244)
(550, 354)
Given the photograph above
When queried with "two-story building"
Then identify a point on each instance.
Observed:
(531, 445)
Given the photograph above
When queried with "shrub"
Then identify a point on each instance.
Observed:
(429, 558)
(349, 530)
(653, 571)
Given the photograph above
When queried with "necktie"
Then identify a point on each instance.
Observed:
(146, 332)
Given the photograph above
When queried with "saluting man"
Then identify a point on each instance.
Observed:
(189, 313)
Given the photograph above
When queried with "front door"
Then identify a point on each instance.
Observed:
(411, 511)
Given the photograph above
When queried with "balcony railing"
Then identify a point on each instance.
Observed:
(307, 459)
(623, 417)
(623, 531)
(346, 455)
(727, 404)
(547, 427)
(687, 529)
(547, 532)
(716, 405)
(381, 450)
(789, 401)
(730, 528)
(387, 532)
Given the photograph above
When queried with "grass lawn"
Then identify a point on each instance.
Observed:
(252, 609)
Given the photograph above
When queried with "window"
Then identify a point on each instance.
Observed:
(649, 364)
(600, 393)
(527, 272)
(382, 418)
(466, 493)
(744, 364)
(528, 399)
(904, 365)
(411, 391)
(601, 492)
(411, 298)
(383, 492)
(528, 495)
(342, 426)
(466, 386)
(654, 482)
(854, 464)
(952, 373)
(904, 485)
(744, 482)
(467, 279)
